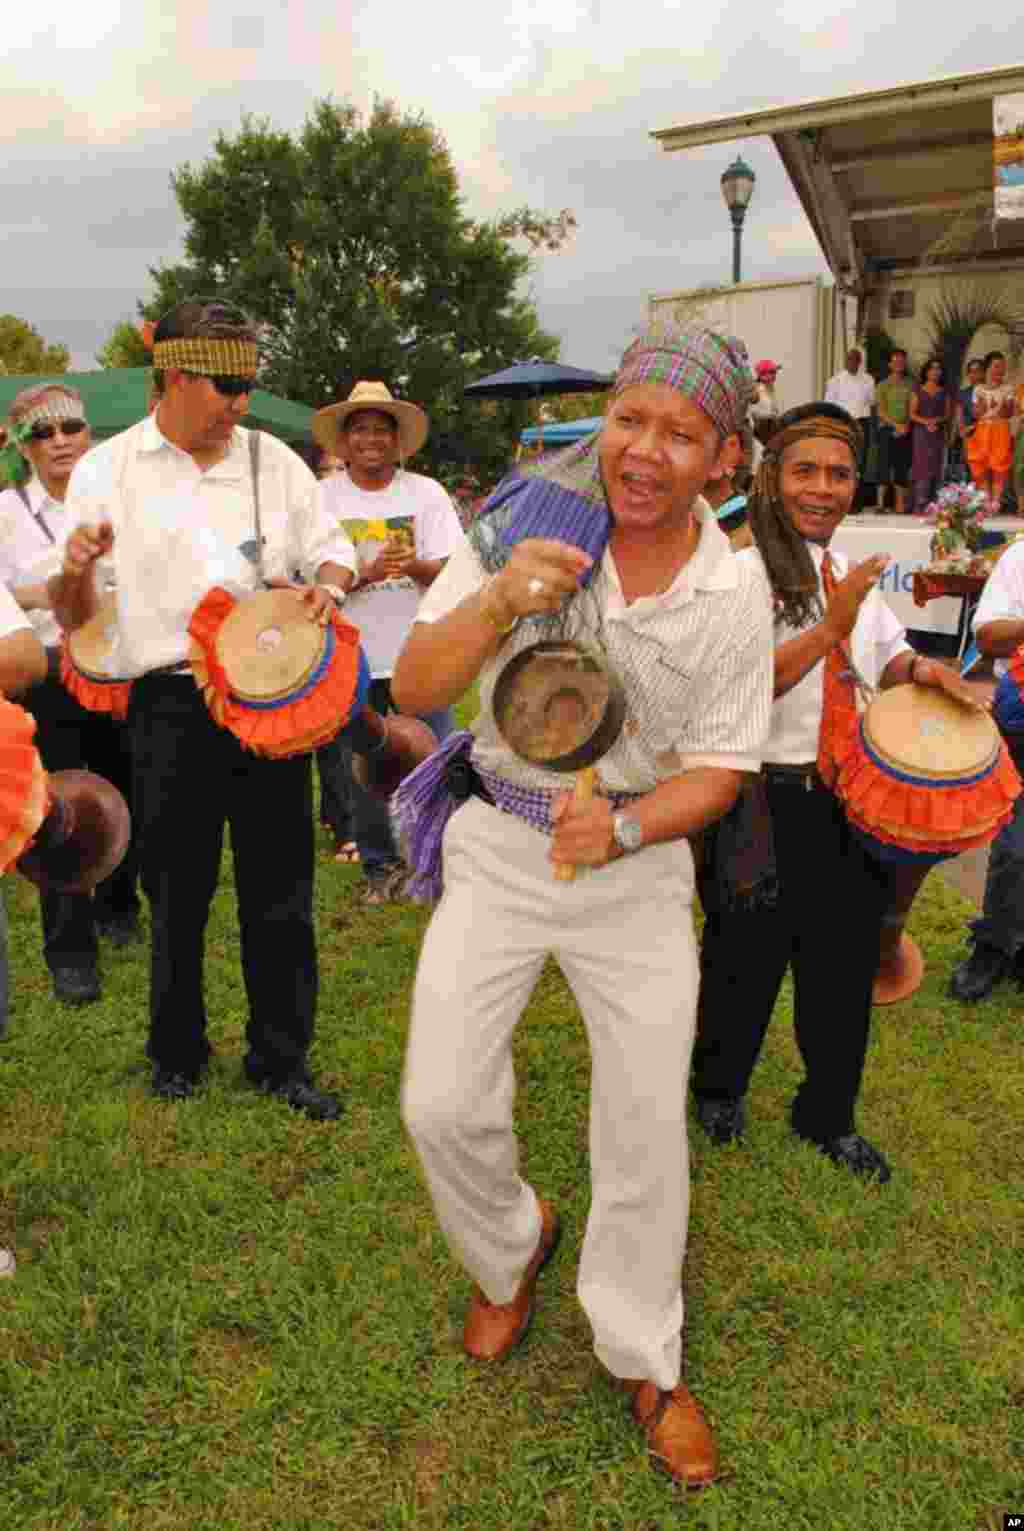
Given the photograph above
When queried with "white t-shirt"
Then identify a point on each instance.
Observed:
(852, 391)
(1002, 599)
(413, 509)
(32, 542)
(877, 637)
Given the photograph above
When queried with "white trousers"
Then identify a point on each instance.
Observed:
(623, 936)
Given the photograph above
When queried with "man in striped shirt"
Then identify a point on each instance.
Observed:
(610, 543)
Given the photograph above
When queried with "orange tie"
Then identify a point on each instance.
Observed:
(839, 700)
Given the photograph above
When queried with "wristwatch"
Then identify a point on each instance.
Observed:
(627, 833)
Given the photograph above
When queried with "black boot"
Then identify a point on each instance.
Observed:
(978, 974)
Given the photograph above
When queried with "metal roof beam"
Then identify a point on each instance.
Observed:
(896, 154)
(947, 202)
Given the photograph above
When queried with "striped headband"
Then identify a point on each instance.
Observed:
(215, 356)
(847, 431)
(54, 406)
(710, 369)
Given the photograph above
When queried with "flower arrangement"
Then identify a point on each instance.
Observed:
(956, 513)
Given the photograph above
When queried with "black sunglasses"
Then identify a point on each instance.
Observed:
(231, 387)
(47, 431)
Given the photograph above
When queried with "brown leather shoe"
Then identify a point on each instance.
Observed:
(493, 1329)
(677, 1432)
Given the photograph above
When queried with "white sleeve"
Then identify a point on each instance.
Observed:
(730, 727)
(315, 535)
(831, 392)
(463, 575)
(438, 530)
(1002, 599)
(12, 618)
(878, 637)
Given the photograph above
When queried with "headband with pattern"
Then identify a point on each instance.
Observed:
(711, 369)
(214, 356)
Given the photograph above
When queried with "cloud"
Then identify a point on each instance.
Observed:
(548, 102)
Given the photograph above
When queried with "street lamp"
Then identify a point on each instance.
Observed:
(737, 189)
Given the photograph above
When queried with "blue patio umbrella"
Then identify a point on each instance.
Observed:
(534, 378)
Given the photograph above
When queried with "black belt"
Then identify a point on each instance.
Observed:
(805, 776)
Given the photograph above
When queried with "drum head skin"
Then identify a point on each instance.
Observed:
(92, 645)
(922, 732)
(268, 646)
(558, 706)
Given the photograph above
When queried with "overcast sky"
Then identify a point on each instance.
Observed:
(547, 102)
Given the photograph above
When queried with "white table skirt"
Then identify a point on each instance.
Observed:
(907, 541)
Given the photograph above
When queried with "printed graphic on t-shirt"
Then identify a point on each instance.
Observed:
(371, 537)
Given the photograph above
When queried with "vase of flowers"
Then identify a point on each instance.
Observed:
(956, 513)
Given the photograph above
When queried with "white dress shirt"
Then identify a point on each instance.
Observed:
(179, 530)
(12, 618)
(1002, 599)
(695, 662)
(853, 391)
(32, 542)
(877, 637)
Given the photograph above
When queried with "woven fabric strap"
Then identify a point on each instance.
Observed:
(533, 805)
(212, 355)
(839, 701)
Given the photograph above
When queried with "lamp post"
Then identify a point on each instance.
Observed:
(737, 189)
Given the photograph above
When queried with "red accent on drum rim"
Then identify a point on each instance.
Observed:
(109, 696)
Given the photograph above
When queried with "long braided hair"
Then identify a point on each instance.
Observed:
(787, 559)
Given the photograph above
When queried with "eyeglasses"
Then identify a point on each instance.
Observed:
(231, 387)
(45, 431)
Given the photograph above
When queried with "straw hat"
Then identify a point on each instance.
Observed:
(411, 421)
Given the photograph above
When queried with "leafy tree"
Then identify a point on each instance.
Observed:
(349, 245)
(125, 348)
(23, 349)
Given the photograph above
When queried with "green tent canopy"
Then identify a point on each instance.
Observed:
(115, 397)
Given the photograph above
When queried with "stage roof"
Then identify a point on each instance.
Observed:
(881, 175)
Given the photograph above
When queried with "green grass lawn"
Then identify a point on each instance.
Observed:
(227, 1317)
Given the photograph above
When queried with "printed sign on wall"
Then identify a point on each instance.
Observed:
(1008, 150)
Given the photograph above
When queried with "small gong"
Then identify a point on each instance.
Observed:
(558, 706)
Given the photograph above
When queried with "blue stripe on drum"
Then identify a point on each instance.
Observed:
(890, 770)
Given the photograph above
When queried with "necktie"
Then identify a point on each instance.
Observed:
(839, 700)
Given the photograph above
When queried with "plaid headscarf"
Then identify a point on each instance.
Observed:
(563, 496)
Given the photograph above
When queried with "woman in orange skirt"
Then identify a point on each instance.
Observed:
(990, 448)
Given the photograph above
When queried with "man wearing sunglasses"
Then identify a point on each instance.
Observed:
(47, 435)
(182, 502)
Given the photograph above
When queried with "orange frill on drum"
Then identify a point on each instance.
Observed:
(936, 818)
(110, 696)
(293, 724)
(24, 796)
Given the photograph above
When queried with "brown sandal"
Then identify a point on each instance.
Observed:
(347, 853)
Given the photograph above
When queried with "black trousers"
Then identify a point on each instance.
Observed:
(191, 779)
(826, 927)
(69, 737)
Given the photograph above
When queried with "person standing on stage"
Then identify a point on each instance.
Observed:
(404, 527)
(893, 398)
(930, 410)
(49, 434)
(183, 501)
(824, 920)
(624, 552)
(990, 447)
(853, 389)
